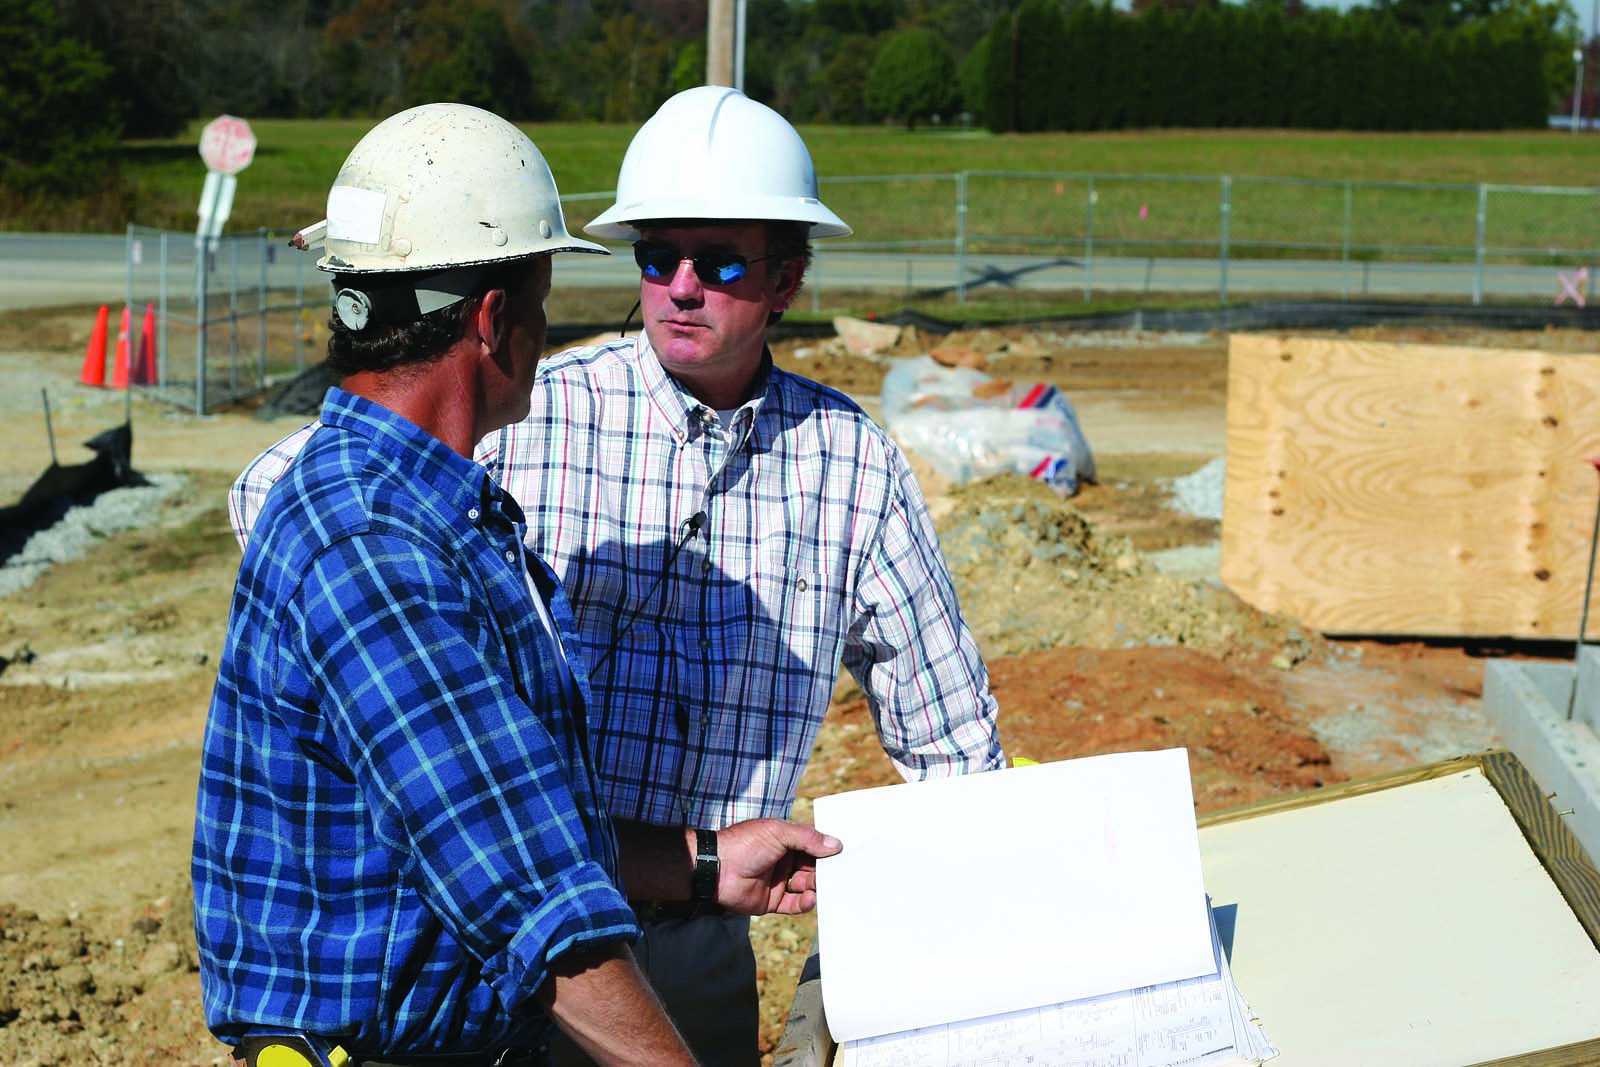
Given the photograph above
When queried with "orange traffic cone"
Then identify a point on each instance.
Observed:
(144, 368)
(94, 360)
(119, 368)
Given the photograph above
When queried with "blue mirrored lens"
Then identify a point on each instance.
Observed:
(729, 269)
(655, 261)
(712, 268)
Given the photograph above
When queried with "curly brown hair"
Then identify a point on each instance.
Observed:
(383, 348)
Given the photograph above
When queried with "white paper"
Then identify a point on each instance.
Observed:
(355, 214)
(980, 895)
(1198, 1022)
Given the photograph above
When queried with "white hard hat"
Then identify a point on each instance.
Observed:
(437, 187)
(713, 153)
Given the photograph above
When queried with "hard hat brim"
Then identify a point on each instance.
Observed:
(618, 222)
(313, 238)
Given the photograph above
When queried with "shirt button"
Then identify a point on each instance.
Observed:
(705, 718)
(705, 566)
(472, 513)
(705, 642)
(801, 585)
(511, 557)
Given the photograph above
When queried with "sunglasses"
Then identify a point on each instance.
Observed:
(659, 260)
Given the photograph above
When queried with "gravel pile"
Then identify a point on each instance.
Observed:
(110, 513)
(1200, 494)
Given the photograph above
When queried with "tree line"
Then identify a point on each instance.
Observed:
(1047, 68)
(81, 75)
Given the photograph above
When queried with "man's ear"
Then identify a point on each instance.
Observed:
(790, 274)
(488, 320)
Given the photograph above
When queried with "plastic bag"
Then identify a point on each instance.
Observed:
(968, 425)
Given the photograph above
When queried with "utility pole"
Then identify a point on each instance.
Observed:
(720, 19)
(1594, 34)
(738, 45)
(1577, 88)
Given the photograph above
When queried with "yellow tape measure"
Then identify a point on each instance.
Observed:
(289, 1056)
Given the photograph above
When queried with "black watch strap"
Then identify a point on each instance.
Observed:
(707, 868)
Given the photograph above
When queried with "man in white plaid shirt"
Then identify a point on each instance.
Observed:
(728, 534)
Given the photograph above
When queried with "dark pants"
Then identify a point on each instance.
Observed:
(704, 971)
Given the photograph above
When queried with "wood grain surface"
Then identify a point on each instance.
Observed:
(1410, 489)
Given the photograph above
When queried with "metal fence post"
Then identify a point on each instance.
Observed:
(127, 257)
(1088, 244)
(961, 237)
(202, 283)
(1349, 202)
(1477, 273)
(1222, 259)
(261, 310)
(299, 314)
(233, 314)
(161, 356)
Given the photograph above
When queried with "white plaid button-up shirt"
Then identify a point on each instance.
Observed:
(713, 651)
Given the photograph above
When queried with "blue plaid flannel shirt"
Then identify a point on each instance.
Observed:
(398, 826)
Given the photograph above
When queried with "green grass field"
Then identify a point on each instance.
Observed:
(1156, 192)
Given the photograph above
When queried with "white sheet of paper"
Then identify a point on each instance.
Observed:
(963, 897)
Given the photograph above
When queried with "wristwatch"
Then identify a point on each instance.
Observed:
(707, 868)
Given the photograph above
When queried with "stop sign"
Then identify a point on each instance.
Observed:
(227, 145)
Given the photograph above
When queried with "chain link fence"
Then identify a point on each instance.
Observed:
(1074, 232)
(216, 326)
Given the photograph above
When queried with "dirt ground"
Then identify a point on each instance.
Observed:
(107, 661)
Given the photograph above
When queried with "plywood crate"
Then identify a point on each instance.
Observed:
(1411, 489)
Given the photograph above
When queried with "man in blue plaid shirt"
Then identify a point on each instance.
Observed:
(401, 854)
(729, 535)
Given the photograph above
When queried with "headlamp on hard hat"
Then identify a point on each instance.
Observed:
(362, 300)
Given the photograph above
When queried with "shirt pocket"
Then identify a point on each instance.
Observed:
(796, 611)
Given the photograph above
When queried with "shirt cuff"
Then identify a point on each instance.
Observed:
(582, 911)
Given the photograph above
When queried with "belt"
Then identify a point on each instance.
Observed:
(511, 1057)
(662, 911)
(295, 1051)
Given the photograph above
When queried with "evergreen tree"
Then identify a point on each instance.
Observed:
(59, 128)
(999, 104)
(913, 77)
(1040, 41)
(1086, 77)
(843, 90)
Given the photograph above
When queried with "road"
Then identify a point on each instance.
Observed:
(42, 270)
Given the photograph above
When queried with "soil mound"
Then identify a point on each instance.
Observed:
(1061, 584)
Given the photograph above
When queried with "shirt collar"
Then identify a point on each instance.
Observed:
(460, 484)
(677, 405)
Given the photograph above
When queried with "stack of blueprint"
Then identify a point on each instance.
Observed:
(1050, 915)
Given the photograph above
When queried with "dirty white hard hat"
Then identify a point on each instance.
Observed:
(713, 153)
(441, 186)
(425, 206)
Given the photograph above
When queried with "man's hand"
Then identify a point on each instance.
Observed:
(770, 866)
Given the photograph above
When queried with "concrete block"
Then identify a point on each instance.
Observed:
(1586, 704)
(1528, 704)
